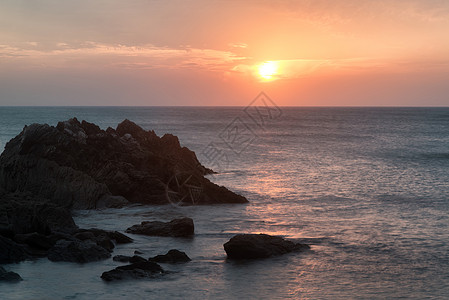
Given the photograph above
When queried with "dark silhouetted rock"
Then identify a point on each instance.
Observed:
(77, 251)
(172, 256)
(103, 238)
(78, 165)
(121, 258)
(9, 276)
(133, 271)
(22, 213)
(34, 240)
(11, 252)
(177, 228)
(137, 259)
(243, 246)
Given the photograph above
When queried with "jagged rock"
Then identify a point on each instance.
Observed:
(9, 276)
(78, 165)
(133, 271)
(244, 246)
(11, 252)
(172, 256)
(177, 228)
(77, 251)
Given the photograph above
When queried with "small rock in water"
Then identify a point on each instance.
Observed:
(172, 256)
(137, 259)
(133, 271)
(121, 258)
(247, 246)
(9, 276)
(177, 228)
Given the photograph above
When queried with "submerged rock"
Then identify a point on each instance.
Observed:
(172, 256)
(177, 228)
(78, 165)
(133, 271)
(9, 276)
(248, 246)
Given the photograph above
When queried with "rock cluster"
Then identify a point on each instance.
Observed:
(140, 267)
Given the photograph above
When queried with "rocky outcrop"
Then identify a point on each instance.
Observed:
(177, 228)
(133, 271)
(9, 276)
(172, 256)
(252, 246)
(78, 165)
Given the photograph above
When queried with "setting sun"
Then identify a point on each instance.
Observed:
(268, 69)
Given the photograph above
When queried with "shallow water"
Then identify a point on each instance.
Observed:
(367, 188)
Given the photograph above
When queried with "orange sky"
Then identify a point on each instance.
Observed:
(224, 52)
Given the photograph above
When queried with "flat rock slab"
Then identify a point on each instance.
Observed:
(177, 228)
(253, 246)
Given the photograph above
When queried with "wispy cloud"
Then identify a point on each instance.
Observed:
(116, 55)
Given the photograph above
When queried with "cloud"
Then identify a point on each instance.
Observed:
(117, 55)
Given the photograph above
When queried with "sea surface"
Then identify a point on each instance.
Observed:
(367, 188)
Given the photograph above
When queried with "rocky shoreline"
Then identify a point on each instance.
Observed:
(46, 172)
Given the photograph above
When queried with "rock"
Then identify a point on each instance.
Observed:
(95, 234)
(244, 246)
(22, 213)
(137, 259)
(11, 252)
(34, 240)
(9, 276)
(121, 258)
(119, 238)
(172, 256)
(77, 165)
(138, 252)
(133, 271)
(177, 228)
(130, 259)
(77, 251)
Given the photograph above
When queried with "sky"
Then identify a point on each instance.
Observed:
(224, 52)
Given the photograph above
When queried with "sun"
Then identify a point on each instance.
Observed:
(268, 69)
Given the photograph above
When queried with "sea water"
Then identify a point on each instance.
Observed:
(367, 188)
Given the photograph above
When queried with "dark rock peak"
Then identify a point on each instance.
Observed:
(78, 165)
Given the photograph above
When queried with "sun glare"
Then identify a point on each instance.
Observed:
(268, 69)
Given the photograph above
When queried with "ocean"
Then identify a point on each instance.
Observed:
(367, 188)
